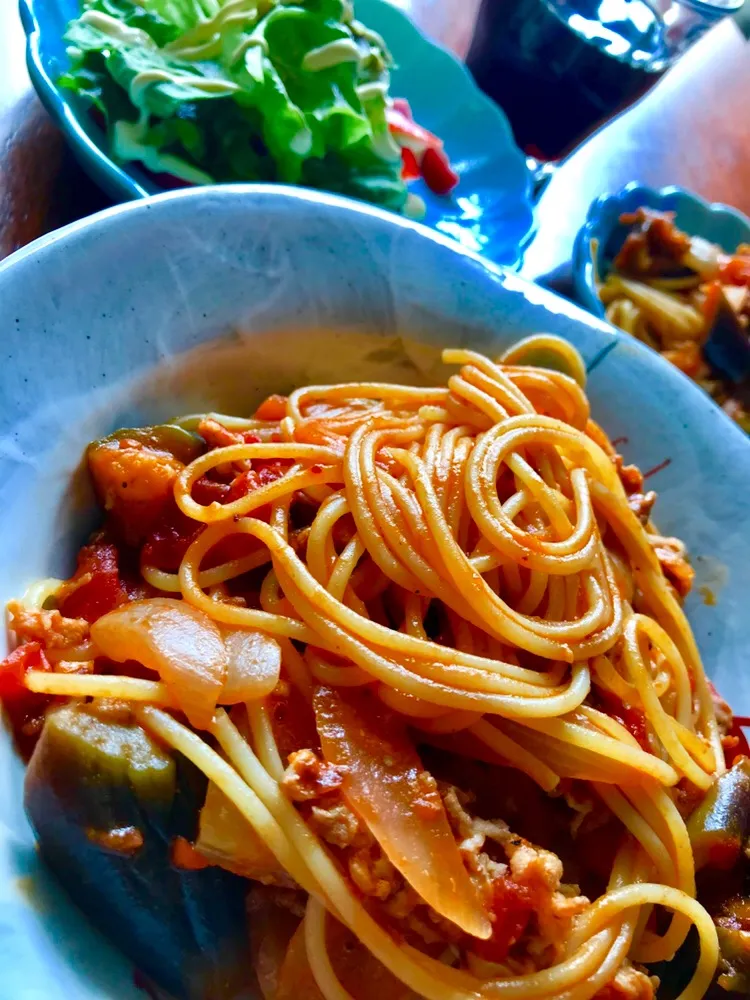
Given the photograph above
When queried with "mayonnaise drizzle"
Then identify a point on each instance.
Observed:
(342, 50)
(116, 30)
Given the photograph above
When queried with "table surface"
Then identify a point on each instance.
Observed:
(692, 129)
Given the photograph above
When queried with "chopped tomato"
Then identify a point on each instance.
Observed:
(96, 587)
(293, 722)
(207, 491)
(734, 270)
(438, 174)
(406, 132)
(28, 656)
(428, 159)
(232, 547)
(410, 167)
(633, 719)
(711, 300)
(261, 474)
(167, 544)
(511, 909)
(185, 856)
(24, 708)
(271, 409)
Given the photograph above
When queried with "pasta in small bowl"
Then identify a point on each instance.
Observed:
(674, 272)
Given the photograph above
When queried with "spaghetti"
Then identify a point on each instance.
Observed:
(460, 573)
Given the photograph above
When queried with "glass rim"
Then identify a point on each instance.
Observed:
(713, 10)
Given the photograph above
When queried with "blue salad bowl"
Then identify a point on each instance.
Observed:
(600, 238)
(490, 212)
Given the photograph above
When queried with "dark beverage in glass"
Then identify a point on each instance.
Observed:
(560, 67)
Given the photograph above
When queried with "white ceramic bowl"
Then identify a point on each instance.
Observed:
(211, 298)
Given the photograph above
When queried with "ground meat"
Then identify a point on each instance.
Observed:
(722, 711)
(372, 872)
(50, 628)
(631, 477)
(216, 435)
(672, 555)
(629, 984)
(555, 904)
(308, 777)
(428, 803)
(472, 832)
(654, 244)
(335, 823)
(642, 504)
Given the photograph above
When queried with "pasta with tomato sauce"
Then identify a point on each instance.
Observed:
(425, 650)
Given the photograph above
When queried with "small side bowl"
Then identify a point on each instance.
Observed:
(601, 236)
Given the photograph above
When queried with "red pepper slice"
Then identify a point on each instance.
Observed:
(438, 174)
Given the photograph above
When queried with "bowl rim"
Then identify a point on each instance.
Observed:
(106, 171)
(584, 260)
(147, 211)
(338, 204)
(330, 200)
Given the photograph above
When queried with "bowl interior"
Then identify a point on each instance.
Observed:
(211, 299)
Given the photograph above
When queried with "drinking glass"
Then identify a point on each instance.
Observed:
(560, 68)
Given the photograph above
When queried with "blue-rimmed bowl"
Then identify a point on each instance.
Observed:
(601, 236)
(490, 212)
(209, 299)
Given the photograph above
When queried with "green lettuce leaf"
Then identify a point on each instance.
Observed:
(228, 90)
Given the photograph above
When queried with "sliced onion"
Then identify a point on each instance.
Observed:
(226, 838)
(253, 665)
(703, 257)
(175, 640)
(361, 975)
(386, 785)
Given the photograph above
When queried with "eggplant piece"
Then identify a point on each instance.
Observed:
(733, 928)
(184, 445)
(727, 348)
(106, 803)
(133, 473)
(675, 974)
(719, 826)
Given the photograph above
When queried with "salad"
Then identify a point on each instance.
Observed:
(297, 92)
